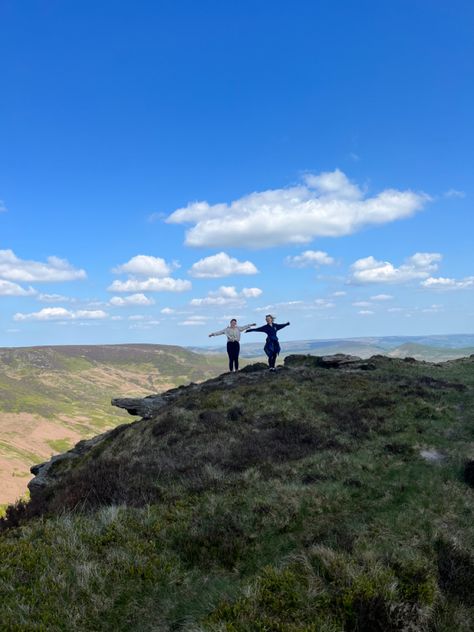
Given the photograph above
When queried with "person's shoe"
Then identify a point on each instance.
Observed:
(272, 368)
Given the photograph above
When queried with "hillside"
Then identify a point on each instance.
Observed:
(428, 348)
(335, 494)
(52, 397)
(429, 354)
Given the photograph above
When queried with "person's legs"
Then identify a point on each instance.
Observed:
(229, 353)
(271, 360)
(236, 356)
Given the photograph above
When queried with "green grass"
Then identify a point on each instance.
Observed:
(60, 445)
(294, 502)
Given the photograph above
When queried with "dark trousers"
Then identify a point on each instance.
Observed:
(271, 360)
(233, 350)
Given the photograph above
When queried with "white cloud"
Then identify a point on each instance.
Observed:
(443, 283)
(53, 298)
(323, 302)
(167, 310)
(227, 295)
(339, 293)
(454, 193)
(15, 269)
(325, 205)
(145, 265)
(195, 320)
(165, 284)
(7, 288)
(61, 313)
(370, 270)
(365, 312)
(381, 297)
(190, 323)
(251, 292)
(317, 304)
(221, 265)
(311, 258)
(361, 304)
(132, 299)
(3, 208)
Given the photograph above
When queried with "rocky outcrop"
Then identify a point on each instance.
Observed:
(149, 407)
(243, 399)
(44, 473)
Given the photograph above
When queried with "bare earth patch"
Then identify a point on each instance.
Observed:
(23, 436)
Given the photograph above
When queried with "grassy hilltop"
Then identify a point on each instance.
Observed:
(328, 496)
(51, 397)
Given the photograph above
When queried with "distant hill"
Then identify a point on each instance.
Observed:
(452, 346)
(429, 354)
(333, 495)
(51, 397)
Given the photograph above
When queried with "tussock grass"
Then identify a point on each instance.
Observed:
(292, 502)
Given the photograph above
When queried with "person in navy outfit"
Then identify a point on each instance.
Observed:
(272, 346)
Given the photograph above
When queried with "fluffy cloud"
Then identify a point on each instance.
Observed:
(61, 313)
(165, 284)
(132, 299)
(381, 297)
(221, 265)
(310, 258)
(145, 265)
(3, 208)
(157, 271)
(365, 312)
(15, 269)
(443, 283)
(227, 295)
(369, 270)
(7, 288)
(325, 205)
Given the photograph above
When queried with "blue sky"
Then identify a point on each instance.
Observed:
(167, 165)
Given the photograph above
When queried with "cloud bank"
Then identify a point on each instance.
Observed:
(15, 269)
(310, 258)
(370, 270)
(227, 295)
(157, 271)
(133, 299)
(61, 313)
(7, 288)
(325, 205)
(221, 265)
(443, 283)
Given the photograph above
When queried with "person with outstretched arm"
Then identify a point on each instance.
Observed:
(272, 346)
(233, 345)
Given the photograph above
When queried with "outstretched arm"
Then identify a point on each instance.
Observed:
(281, 326)
(262, 329)
(217, 333)
(246, 326)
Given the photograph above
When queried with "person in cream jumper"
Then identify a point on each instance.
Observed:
(233, 342)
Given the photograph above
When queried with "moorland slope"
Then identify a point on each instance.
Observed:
(334, 494)
(52, 397)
